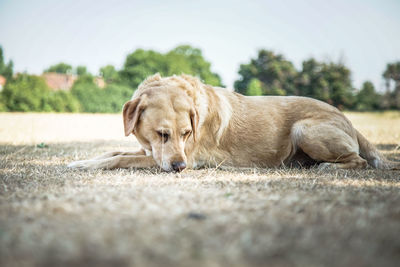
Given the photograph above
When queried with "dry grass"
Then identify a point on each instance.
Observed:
(53, 216)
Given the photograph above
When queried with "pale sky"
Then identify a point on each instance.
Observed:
(365, 34)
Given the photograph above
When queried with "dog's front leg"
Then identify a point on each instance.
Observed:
(119, 161)
(140, 152)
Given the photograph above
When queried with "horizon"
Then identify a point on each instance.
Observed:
(38, 34)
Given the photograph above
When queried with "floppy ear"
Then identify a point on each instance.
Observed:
(131, 113)
(194, 120)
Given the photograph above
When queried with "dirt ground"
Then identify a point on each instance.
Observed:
(54, 216)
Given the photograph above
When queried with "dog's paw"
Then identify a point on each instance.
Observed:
(82, 164)
(327, 166)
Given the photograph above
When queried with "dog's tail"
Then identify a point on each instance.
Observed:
(370, 153)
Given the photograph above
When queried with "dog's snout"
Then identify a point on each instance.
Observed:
(178, 166)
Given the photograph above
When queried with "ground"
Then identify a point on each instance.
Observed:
(54, 216)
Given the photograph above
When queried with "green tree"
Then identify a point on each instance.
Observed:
(367, 98)
(109, 74)
(329, 82)
(190, 60)
(311, 81)
(60, 68)
(254, 87)
(25, 93)
(276, 74)
(116, 96)
(3, 107)
(31, 93)
(1, 58)
(88, 94)
(81, 70)
(392, 78)
(94, 99)
(141, 64)
(183, 59)
(61, 101)
(6, 70)
(341, 89)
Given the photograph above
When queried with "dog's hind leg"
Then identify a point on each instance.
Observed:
(327, 143)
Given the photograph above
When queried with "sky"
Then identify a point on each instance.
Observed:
(364, 34)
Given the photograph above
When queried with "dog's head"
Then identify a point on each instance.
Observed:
(163, 117)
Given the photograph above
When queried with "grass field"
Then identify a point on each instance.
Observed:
(54, 216)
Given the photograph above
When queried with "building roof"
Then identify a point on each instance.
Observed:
(59, 81)
(2, 81)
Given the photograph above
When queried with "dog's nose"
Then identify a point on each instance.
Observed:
(178, 166)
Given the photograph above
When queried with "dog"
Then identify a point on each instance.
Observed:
(181, 123)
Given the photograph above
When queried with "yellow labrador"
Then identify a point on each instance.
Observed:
(181, 122)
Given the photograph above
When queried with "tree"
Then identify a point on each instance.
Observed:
(6, 70)
(81, 70)
(88, 94)
(183, 59)
(367, 98)
(311, 81)
(189, 60)
(25, 93)
(276, 74)
(329, 82)
(94, 99)
(116, 96)
(61, 101)
(392, 78)
(141, 64)
(341, 90)
(254, 87)
(109, 74)
(60, 68)
(30, 93)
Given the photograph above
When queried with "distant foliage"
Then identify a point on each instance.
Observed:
(30, 93)
(62, 101)
(26, 93)
(268, 73)
(275, 73)
(254, 88)
(6, 70)
(183, 59)
(367, 98)
(104, 100)
(60, 68)
(329, 82)
(110, 74)
(81, 70)
(392, 78)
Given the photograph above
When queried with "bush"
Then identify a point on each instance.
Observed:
(116, 96)
(25, 93)
(31, 93)
(2, 104)
(94, 99)
(61, 101)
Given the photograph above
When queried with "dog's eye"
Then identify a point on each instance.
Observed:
(164, 136)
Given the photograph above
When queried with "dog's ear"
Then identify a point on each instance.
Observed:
(131, 114)
(194, 120)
